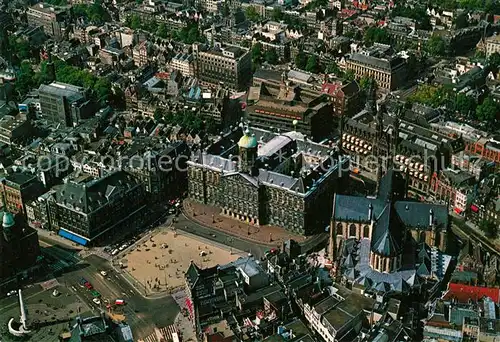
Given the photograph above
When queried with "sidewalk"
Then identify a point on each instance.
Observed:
(210, 217)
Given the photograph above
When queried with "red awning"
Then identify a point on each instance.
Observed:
(474, 208)
(458, 210)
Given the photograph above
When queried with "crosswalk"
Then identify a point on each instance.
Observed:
(162, 334)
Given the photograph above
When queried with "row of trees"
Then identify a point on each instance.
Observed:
(94, 12)
(188, 35)
(437, 96)
(186, 119)
(259, 55)
(489, 228)
(101, 89)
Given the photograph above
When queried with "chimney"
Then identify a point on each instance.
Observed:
(370, 212)
(431, 217)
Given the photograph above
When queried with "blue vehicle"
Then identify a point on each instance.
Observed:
(83, 281)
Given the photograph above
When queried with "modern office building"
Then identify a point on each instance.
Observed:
(64, 103)
(51, 18)
(84, 211)
(280, 179)
(230, 66)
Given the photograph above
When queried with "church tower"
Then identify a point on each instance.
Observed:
(247, 146)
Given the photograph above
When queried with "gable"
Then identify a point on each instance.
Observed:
(241, 178)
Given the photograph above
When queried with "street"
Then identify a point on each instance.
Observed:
(141, 313)
(220, 238)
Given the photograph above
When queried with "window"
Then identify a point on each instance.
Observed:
(352, 230)
(366, 231)
(340, 229)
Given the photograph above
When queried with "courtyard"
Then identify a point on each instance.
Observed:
(159, 263)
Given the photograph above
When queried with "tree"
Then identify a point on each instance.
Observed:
(465, 104)
(494, 60)
(349, 75)
(257, 53)
(271, 56)
(376, 35)
(461, 21)
(333, 68)
(312, 64)
(135, 22)
(488, 110)
(159, 112)
(489, 228)
(277, 14)
(226, 11)
(436, 46)
(162, 31)
(366, 81)
(301, 60)
(26, 79)
(251, 13)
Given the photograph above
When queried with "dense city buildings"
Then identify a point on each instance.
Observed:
(52, 19)
(229, 66)
(250, 175)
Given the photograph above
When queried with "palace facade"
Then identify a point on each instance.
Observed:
(268, 179)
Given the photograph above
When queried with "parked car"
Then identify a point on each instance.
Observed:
(97, 301)
(88, 286)
(11, 293)
(95, 294)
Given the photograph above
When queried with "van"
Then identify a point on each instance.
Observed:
(115, 252)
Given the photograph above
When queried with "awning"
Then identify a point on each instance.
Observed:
(70, 236)
(474, 208)
(458, 211)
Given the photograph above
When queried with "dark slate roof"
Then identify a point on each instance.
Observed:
(416, 214)
(89, 196)
(387, 236)
(392, 214)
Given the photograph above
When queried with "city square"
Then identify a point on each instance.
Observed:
(160, 262)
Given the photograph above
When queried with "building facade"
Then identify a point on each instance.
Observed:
(272, 179)
(230, 66)
(83, 212)
(57, 101)
(183, 63)
(50, 18)
(389, 71)
(18, 188)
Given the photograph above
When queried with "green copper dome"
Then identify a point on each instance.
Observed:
(247, 140)
(8, 220)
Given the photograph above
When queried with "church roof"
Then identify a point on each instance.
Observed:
(7, 219)
(387, 238)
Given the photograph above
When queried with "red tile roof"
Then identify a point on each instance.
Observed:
(462, 293)
(330, 88)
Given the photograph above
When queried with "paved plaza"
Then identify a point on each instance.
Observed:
(210, 216)
(159, 263)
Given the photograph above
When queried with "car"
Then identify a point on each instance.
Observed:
(97, 301)
(103, 273)
(119, 302)
(88, 285)
(11, 293)
(115, 252)
(82, 282)
(95, 294)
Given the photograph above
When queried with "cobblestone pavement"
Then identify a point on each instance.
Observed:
(182, 322)
(210, 216)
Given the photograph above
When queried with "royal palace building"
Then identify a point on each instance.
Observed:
(265, 178)
(388, 242)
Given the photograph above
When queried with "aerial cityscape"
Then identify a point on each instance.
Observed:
(257, 170)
